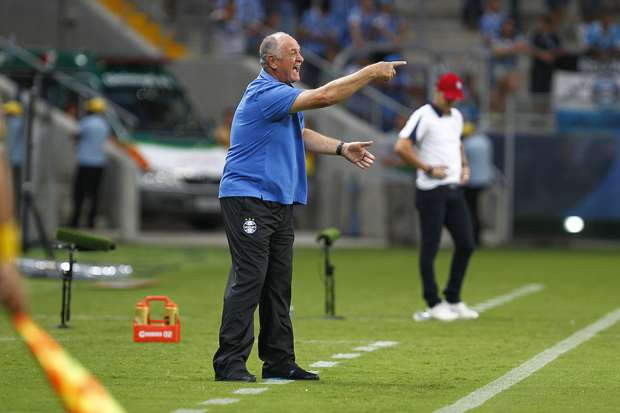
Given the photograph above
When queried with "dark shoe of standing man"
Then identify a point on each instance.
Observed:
(291, 372)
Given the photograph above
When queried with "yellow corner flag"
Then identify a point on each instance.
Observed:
(77, 387)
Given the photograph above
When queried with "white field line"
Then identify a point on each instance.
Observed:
(324, 364)
(277, 381)
(189, 411)
(250, 390)
(506, 298)
(375, 346)
(319, 364)
(480, 396)
(220, 401)
(331, 341)
(8, 338)
(384, 344)
(346, 355)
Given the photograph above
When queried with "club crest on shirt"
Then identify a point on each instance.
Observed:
(249, 226)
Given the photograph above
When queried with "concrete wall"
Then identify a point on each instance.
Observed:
(215, 82)
(84, 24)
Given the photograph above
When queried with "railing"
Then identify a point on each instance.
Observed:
(436, 62)
(378, 99)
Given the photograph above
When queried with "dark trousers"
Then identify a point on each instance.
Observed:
(444, 205)
(86, 187)
(17, 189)
(260, 237)
(472, 195)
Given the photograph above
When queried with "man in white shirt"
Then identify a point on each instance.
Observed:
(431, 142)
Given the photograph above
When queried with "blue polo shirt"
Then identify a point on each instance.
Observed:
(15, 140)
(266, 156)
(94, 132)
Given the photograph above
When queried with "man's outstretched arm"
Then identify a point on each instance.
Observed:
(342, 88)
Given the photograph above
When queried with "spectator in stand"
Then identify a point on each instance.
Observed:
(227, 33)
(361, 23)
(286, 12)
(274, 21)
(340, 10)
(491, 20)
(505, 51)
(388, 25)
(479, 153)
(471, 13)
(318, 34)
(470, 105)
(589, 9)
(554, 4)
(603, 37)
(251, 15)
(546, 48)
(565, 24)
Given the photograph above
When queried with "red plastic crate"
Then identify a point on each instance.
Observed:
(157, 330)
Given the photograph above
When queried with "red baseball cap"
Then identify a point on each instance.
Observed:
(451, 85)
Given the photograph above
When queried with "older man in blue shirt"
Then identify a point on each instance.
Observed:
(263, 177)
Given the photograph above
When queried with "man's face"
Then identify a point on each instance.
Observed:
(443, 102)
(287, 67)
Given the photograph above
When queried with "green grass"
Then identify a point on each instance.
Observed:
(377, 290)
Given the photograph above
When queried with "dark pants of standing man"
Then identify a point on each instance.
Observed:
(260, 236)
(444, 205)
(472, 196)
(86, 187)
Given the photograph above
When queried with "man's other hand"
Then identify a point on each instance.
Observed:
(358, 155)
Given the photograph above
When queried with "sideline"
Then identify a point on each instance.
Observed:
(480, 396)
(250, 391)
(506, 298)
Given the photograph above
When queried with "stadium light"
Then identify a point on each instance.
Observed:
(574, 224)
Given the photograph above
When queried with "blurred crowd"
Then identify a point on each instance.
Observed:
(372, 31)
(239, 25)
(556, 40)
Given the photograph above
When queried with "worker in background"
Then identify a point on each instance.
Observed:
(93, 133)
(15, 145)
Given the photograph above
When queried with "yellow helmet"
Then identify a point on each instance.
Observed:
(96, 105)
(13, 108)
(468, 128)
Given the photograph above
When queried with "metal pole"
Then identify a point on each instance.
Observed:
(27, 167)
(60, 22)
(509, 163)
(67, 277)
(329, 282)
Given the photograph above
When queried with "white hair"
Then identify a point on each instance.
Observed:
(270, 46)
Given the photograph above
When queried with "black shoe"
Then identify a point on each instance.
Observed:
(245, 377)
(293, 373)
